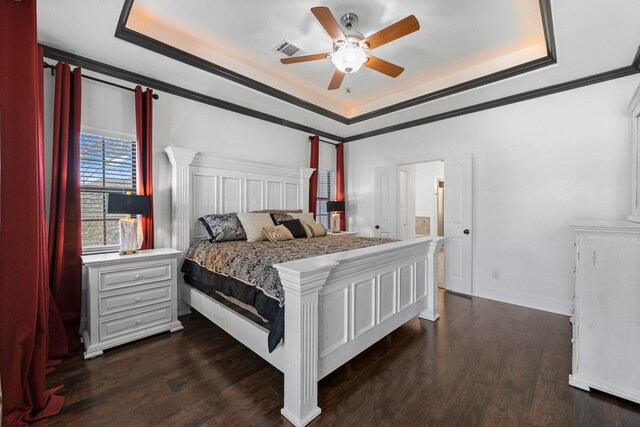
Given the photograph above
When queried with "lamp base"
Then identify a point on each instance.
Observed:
(129, 242)
(335, 223)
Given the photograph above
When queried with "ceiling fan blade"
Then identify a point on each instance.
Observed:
(394, 31)
(336, 80)
(384, 67)
(305, 58)
(324, 15)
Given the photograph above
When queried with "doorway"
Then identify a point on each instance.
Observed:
(421, 202)
(407, 206)
(421, 199)
(440, 207)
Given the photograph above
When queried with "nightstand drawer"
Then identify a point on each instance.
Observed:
(109, 304)
(122, 277)
(128, 324)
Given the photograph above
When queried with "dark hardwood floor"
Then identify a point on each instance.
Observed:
(483, 363)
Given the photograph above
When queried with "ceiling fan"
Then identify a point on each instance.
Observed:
(350, 49)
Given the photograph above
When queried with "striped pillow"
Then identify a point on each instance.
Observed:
(315, 230)
(305, 217)
(253, 223)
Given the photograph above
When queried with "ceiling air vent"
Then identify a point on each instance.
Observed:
(286, 48)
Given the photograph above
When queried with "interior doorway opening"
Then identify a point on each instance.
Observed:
(399, 190)
(421, 195)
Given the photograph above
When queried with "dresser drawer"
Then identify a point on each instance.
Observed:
(134, 275)
(114, 303)
(132, 323)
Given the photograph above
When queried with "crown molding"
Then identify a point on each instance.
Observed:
(122, 74)
(512, 99)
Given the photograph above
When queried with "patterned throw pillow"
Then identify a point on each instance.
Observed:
(315, 230)
(223, 227)
(277, 233)
(305, 217)
(278, 218)
(253, 223)
(296, 228)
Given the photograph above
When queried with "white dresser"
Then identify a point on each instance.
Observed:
(606, 320)
(129, 297)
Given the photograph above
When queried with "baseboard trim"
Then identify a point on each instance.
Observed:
(538, 302)
(587, 383)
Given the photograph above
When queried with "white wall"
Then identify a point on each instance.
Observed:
(537, 165)
(427, 175)
(185, 123)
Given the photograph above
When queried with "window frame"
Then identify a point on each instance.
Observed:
(108, 134)
(320, 200)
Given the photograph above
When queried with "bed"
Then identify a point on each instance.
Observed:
(336, 304)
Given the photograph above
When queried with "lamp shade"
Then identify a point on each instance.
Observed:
(335, 206)
(348, 59)
(132, 204)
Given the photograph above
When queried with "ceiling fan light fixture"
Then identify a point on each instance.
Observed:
(348, 59)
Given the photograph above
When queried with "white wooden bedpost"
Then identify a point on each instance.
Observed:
(180, 159)
(305, 174)
(301, 280)
(431, 312)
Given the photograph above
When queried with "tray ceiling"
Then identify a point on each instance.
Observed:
(594, 42)
(459, 41)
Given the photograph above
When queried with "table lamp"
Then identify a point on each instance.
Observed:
(335, 207)
(131, 204)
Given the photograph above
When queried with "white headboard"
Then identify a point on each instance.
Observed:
(202, 184)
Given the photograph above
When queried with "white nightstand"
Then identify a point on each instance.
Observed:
(129, 297)
(343, 233)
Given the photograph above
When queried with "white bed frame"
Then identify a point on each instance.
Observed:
(336, 305)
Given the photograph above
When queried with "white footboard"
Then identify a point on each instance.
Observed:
(340, 304)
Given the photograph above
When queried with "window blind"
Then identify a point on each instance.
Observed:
(106, 165)
(326, 192)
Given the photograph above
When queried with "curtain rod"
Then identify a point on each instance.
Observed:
(52, 67)
(325, 141)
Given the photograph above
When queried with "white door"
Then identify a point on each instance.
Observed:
(457, 222)
(406, 219)
(386, 201)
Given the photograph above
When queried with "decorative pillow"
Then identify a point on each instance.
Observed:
(315, 230)
(296, 228)
(253, 223)
(278, 218)
(223, 227)
(277, 233)
(305, 217)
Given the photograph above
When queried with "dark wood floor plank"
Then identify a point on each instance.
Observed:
(482, 363)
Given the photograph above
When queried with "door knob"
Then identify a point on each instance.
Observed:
(377, 227)
(466, 231)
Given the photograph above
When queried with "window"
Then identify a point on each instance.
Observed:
(326, 192)
(106, 165)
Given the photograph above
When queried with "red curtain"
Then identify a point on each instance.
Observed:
(340, 183)
(144, 125)
(313, 181)
(24, 291)
(65, 226)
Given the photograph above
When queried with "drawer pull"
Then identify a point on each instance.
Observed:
(138, 299)
(138, 321)
(137, 276)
